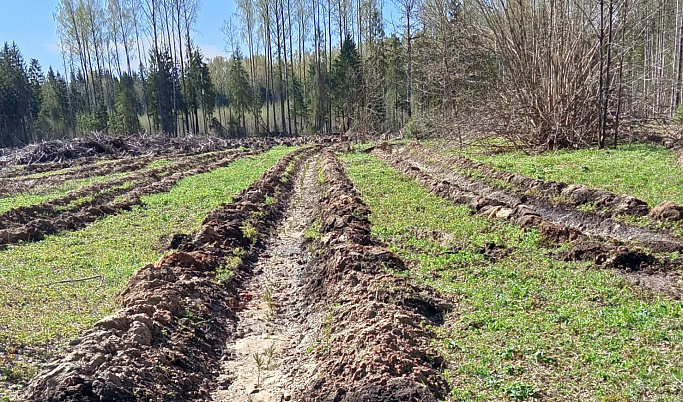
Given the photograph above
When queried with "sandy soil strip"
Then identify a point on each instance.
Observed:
(274, 323)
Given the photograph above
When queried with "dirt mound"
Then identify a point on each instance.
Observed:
(667, 211)
(378, 348)
(166, 341)
(575, 194)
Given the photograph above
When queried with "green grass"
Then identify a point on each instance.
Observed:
(646, 171)
(34, 310)
(45, 193)
(161, 163)
(49, 173)
(525, 326)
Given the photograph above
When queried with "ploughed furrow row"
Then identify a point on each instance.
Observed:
(483, 197)
(19, 171)
(24, 184)
(607, 202)
(25, 214)
(165, 342)
(66, 213)
(376, 346)
(267, 357)
(594, 237)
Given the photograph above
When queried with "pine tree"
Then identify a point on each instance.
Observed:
(160, 88)
(199, 89)
(15, 98)
(35, 79)
(53, 119)
(347, 79)
(241, 92)
(125, 119)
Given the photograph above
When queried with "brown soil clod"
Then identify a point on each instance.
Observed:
(667, 211)
(166, 340)
(377, 347)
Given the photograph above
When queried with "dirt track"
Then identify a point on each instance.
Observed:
(595, 237)
(166, 341)
(274, 321)
(340, 327)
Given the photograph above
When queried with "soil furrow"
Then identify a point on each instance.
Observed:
(274, 322)
(33, 223)
(176, 316)
(22, 215)
(25, 184)
(562, 214)
(376, 345)
(21, 170)
(606, 203)
(594, 238)
(575, 194)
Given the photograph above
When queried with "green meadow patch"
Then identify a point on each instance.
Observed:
(525, 326)
(646, 171)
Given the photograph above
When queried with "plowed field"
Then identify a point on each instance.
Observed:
(321, 272)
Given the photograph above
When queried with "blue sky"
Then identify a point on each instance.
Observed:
(30, 24)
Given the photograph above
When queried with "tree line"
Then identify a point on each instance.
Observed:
(542, 73)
